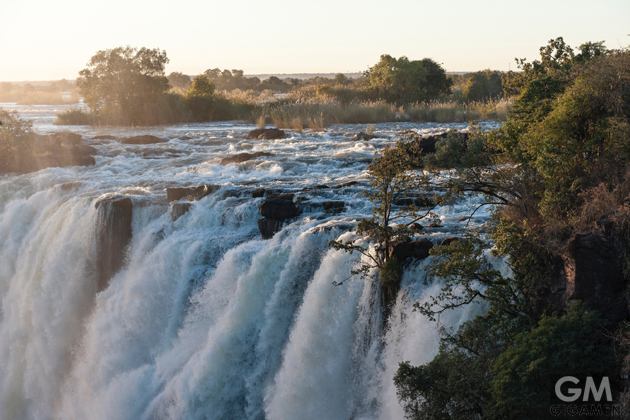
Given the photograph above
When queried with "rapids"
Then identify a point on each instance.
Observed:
(205, 320)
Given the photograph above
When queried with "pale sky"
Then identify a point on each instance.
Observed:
(48, 40)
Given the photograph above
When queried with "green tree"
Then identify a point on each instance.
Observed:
(483, 85)
(124, 82)
(402, 81)
(199, 98)
(179, 80)
(392, 177)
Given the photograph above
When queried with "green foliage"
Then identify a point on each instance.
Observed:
(479, 373)
(483, 85)
(403, 82)
(571, 344)
(17, 141)
(123, 82)
(179, 80)
(455, 385)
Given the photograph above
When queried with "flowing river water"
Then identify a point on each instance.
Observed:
(205, 320)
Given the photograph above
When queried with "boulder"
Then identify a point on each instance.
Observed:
(345, 184)
(258, 192)
(143, 139)
(282, 196)
(113, 235)
(410, 249)
(243, 157)
(363, 136)
(178, 209)
(592, 270)
(67, 138)
(104, 137)
(269, 227)
(265, 134)
(334, 206)
(278, 209)
(190, 193)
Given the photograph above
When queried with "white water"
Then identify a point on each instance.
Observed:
(205, 320)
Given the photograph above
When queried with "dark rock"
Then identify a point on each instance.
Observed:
(190, 193)
(277, 208)
(243, 157)
(316, 187)
(258, 192)
(269, 227)
(104, 137)
(144, 139)
(334, 206)
(179, 209)
(410, 249)
(417, 201)
(265, 134)
(345, 184)
(417, 227)
(282, 196)
(363, 136)
(449, 240)
(113, 235)
(591, 270)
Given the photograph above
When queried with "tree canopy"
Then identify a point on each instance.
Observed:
(124, 81)
(402, 81)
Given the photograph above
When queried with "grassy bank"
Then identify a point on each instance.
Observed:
(294, 111)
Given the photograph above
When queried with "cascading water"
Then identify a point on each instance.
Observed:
(199, 318)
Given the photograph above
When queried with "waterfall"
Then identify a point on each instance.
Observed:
(112, 310)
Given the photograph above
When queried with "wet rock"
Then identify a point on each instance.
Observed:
(178, 209)
(416, 227)
(265, 134)
(67, 138)
(278, 208)
(345, 184)
(258, 192)
(363, 136)
(243, 157)
(104, 137)
(592, 271)
(190, 193)
(143, 139)
(316, 187)
(334, 207)
(416, 201)
(410, 249)
(113, 235)
(269, 227)
(281, 196)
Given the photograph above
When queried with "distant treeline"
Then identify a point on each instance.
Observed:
(52, 93)
(128, 86)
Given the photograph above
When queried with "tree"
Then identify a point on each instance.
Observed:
(483, 85)
(199, 98)
(393, 178)
(179, 80)
(124, 82)
(402, 81)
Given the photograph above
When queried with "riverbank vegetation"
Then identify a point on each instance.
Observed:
(557, 174)
(128, 86)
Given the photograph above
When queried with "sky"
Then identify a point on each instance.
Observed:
(50, 40)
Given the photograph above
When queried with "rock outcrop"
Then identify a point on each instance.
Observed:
(265, 134)
(243, 157)
(143, 139)
(402, 250)
(113, 235)
(428, 143)
(275, 211)
(56, 150)
(190, 193)
(363, 136)
(592, 270)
